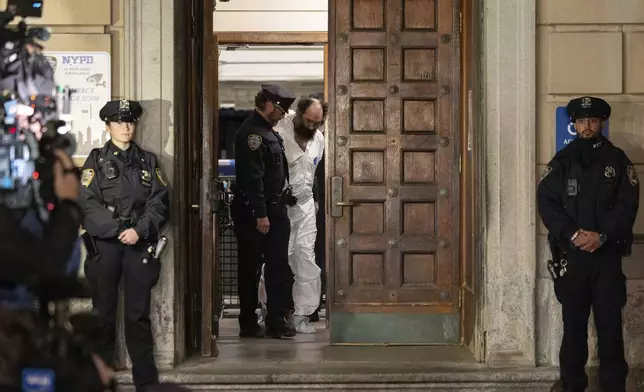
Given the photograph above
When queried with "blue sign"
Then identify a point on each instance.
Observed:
(565, 132)
(38, 380)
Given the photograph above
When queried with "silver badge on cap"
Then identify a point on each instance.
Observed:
(124, 105)
(586, 103)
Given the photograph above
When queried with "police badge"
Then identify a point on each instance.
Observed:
(254, 141)
(586, 103)
(124, 105)
(609, 172)
(632, 176)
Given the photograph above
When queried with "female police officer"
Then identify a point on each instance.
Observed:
(124, 198)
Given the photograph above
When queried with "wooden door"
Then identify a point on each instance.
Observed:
(394, 186)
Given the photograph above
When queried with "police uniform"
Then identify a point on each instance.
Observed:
(261, 177)
(121, 190)
(590, 185)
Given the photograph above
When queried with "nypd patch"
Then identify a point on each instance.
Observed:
(254, 141)
(158, 171)
(86, 177)
(632, 176)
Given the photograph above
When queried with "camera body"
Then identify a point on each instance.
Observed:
(32, 109)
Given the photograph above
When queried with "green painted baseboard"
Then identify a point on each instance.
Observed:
(395, 328)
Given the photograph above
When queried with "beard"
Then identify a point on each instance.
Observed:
(305, 133)
(301, 130)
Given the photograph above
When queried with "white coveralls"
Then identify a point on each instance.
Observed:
(301, 257)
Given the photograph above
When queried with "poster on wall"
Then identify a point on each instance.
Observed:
(565, 131)
(88, 74)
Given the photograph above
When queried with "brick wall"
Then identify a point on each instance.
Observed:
(242, 94)
(593, 47)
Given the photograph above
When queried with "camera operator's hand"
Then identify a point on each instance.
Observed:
(129, 237)
(66, 182)
(105, 372)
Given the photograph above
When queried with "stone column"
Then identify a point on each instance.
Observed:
(149, 78)
(509, 86)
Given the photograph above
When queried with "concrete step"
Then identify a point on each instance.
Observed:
(368, 379)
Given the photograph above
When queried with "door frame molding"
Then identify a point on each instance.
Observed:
(179, 201)
(272, 37)
(472, 207)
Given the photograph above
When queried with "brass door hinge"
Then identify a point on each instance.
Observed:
(460, 299)
(460, 22)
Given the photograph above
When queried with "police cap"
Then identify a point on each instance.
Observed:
(588, 107)
(121, 110)
(278, 95)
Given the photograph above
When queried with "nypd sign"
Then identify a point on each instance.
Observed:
(89, 75)
(77, 60)
(565, 130)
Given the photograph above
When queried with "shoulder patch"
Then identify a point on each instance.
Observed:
(86, 177)
(632, 176)
(254, 141)
(545, 173)
(158, 171)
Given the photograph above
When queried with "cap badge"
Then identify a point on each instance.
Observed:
(124, 106)
(586, 103)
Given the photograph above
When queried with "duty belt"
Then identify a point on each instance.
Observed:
(273, 198)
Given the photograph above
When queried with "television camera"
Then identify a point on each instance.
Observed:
(35, 122)
(34, 113)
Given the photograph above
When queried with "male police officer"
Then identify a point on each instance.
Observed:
(124, 198)
(259, 213)
(588, 198)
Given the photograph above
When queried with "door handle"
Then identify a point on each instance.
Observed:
(347, 204)
(195, 206)
(337, 197)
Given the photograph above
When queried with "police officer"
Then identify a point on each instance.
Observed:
(124, 197)
(259, 214)
(588, 198)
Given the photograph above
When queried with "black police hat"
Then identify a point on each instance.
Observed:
(278, 95)
(121, 110)
(588, 107)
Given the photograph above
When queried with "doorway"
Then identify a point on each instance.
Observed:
(296, 62)
(399, 147)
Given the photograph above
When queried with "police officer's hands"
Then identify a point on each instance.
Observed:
(129, 237)
(591, 241)
(66, 181)
(263, 225)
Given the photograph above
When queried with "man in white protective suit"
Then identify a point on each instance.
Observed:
(304, 146)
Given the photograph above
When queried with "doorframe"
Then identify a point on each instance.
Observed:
(180, 194)
(472, 177)
(189, 31)
(308, 38)
(272, 37)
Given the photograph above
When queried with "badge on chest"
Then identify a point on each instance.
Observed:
(146, 178)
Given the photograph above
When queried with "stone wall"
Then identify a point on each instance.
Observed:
(593, 47)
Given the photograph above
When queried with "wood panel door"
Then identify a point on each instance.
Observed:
(394, 200)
